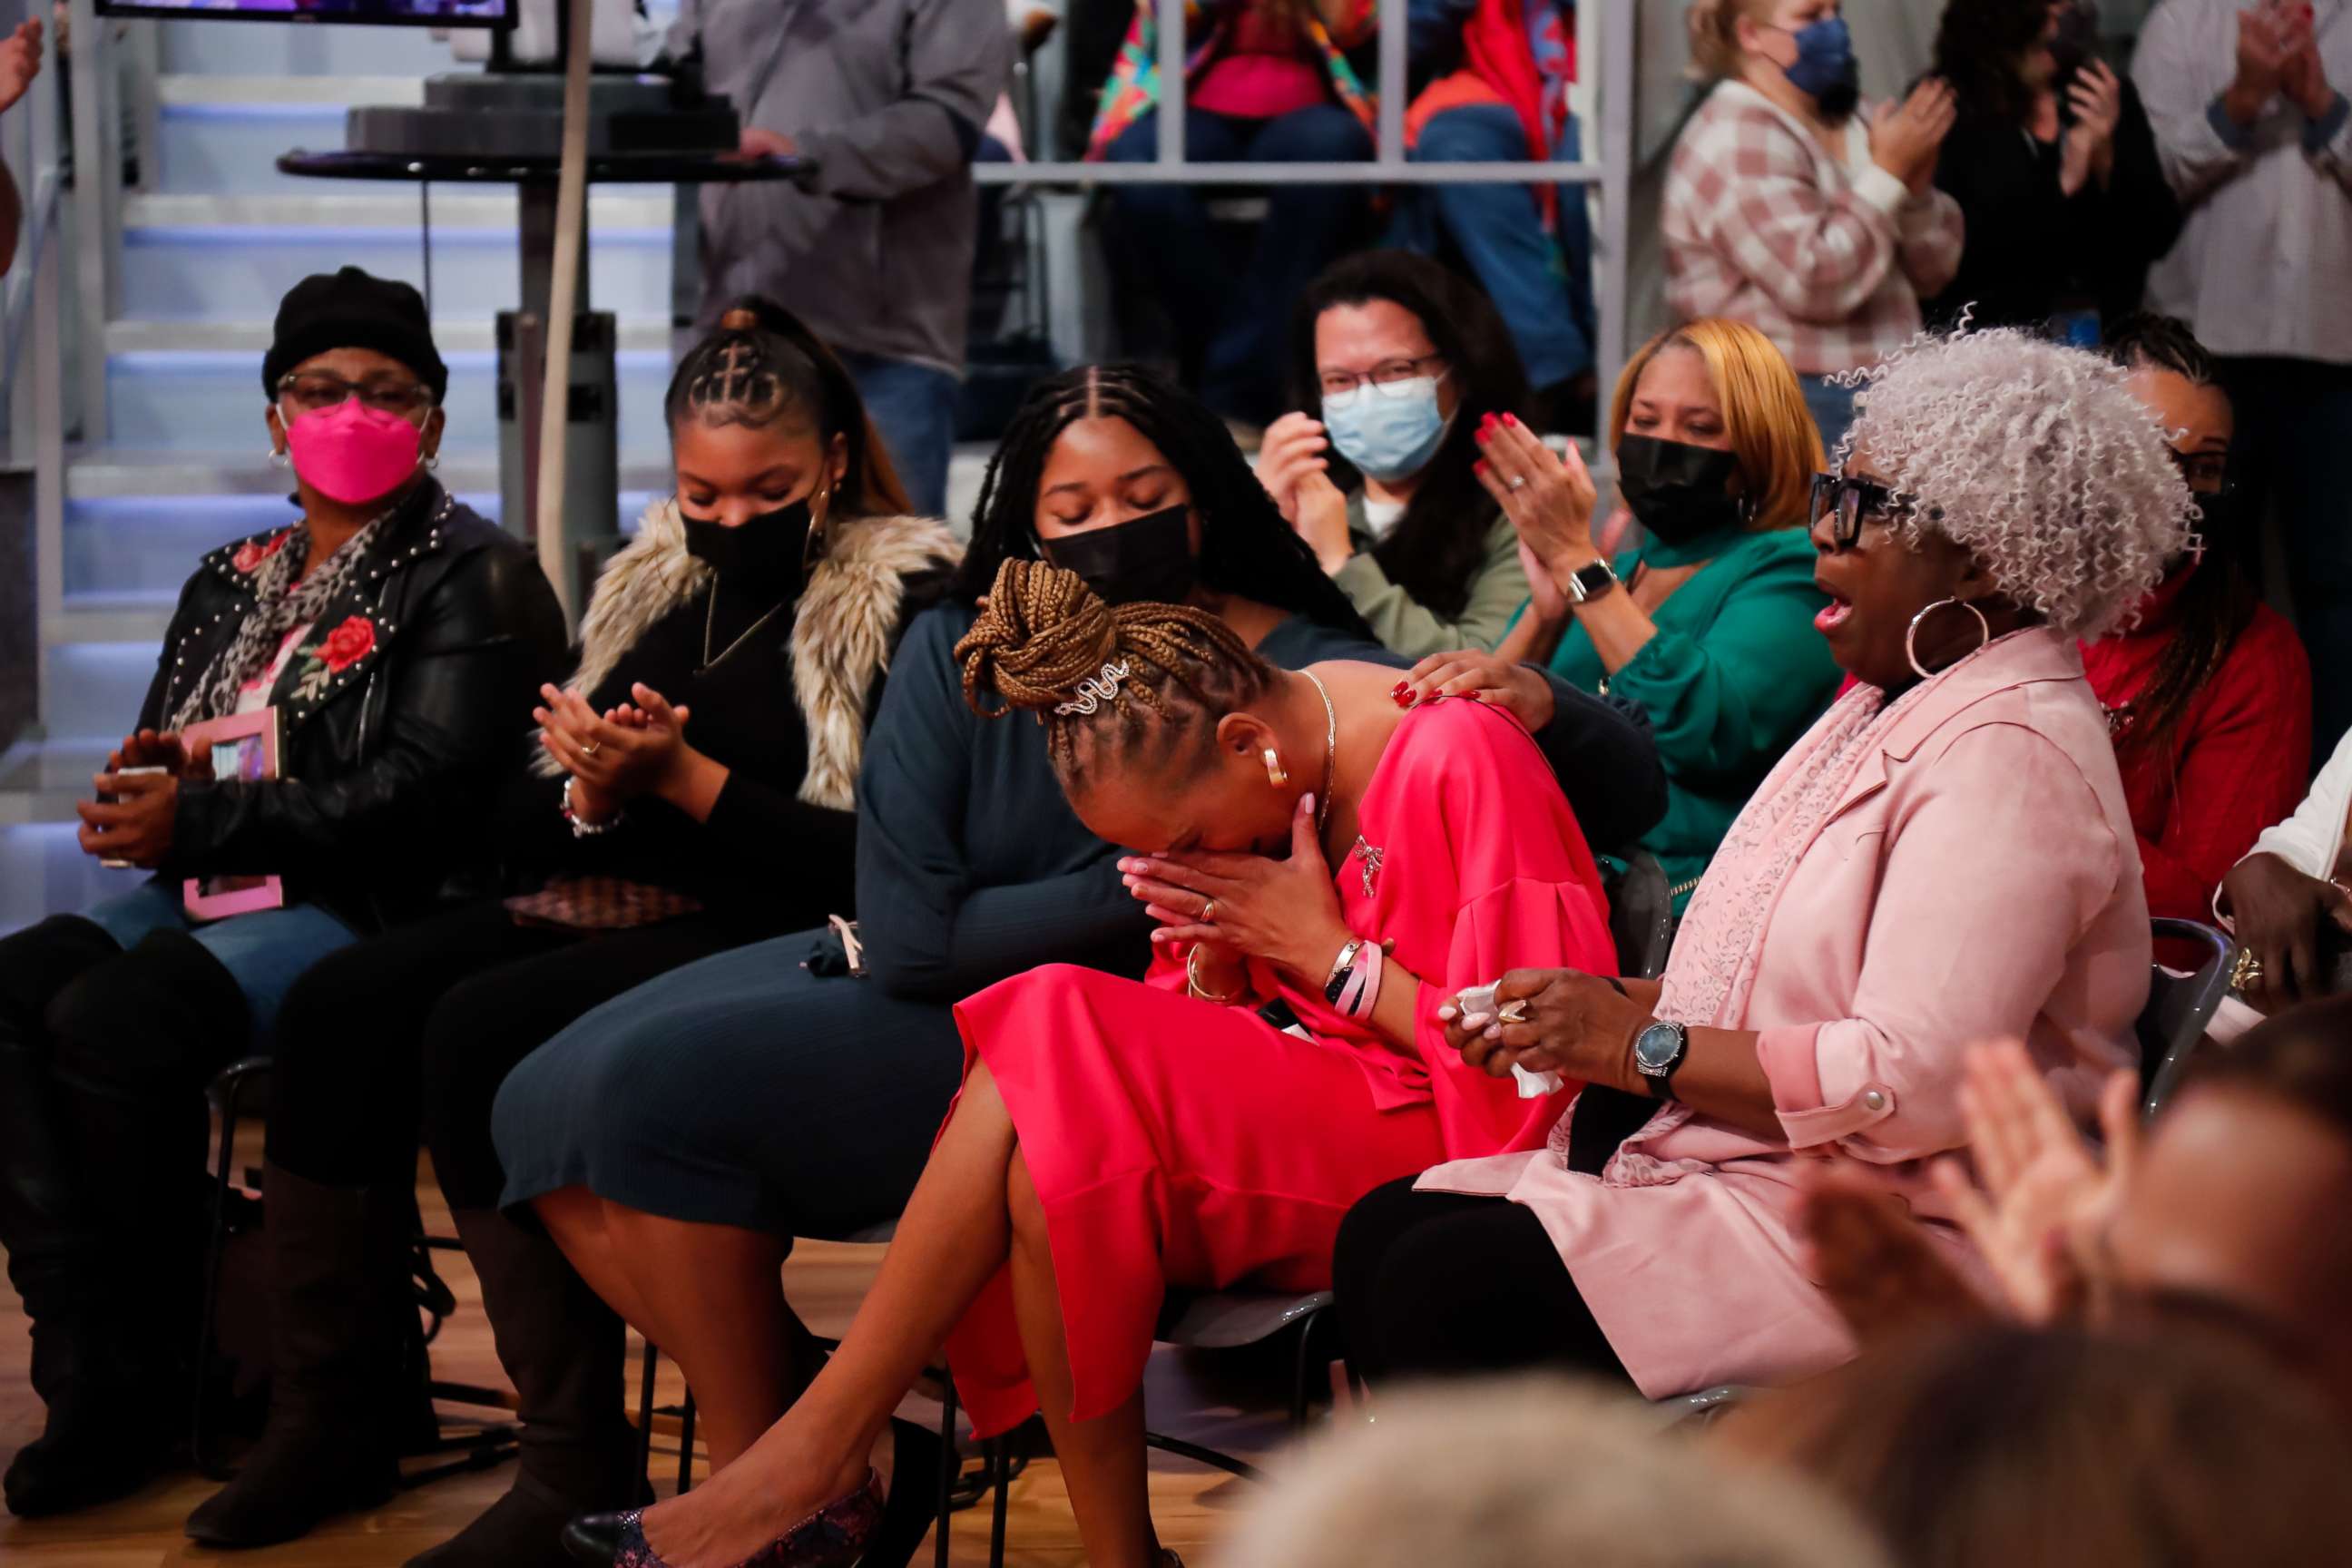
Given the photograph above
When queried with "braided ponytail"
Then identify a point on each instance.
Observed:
(1044, 642)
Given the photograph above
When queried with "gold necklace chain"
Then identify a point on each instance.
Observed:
(710, 622)
(1330, 749)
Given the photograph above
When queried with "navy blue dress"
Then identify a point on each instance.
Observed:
(741, 1089)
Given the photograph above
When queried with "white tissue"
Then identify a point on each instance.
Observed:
(1536, 1085)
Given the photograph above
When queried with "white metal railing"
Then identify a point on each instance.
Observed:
(1609, 174)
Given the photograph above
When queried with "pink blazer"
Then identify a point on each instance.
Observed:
(1977, 879)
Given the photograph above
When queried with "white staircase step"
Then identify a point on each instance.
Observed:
(231, 257)
(184, 91)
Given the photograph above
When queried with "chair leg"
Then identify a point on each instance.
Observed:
(949, 1470)
(209, 1310)
(686, 1446)
(1001, 1455)
(1304, 1370)
(646, 1410)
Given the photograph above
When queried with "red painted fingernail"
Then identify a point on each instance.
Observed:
(1512, 420)
(1401, 698)
(1399, 688)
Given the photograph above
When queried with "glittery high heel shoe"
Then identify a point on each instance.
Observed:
(835, 1536)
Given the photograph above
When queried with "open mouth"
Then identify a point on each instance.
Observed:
(1833, 614)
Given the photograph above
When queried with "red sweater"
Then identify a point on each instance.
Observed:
(2238, 762)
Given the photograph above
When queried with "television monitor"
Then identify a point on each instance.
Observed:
(370, 13)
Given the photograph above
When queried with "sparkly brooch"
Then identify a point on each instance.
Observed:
(1371, 856)
(1094, 691)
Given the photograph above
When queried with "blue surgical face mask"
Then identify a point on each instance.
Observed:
(1390, 432)
(1826, 71)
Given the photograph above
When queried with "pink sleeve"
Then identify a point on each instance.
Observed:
(1988, 882)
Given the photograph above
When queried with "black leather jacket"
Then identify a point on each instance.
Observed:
(392, 748)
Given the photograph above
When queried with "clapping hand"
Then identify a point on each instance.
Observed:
(1549, 500)
(1284, 912)
(2097, 97)
(1295, 446)
(20, 62)
(633, 750)
(1874, 1260)
(2046, 1196)
(2303, 77)
(1905, 138)
(2265, 43)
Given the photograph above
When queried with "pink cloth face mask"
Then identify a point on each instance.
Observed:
(352, 454)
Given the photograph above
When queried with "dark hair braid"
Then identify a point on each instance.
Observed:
(1042, 634)
(1246, 548)
(2216, 603)
(761, 363)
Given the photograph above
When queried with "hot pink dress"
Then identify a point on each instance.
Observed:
(1174, 1142)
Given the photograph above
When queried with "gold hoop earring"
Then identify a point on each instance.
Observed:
(1276, 774)
(812, 551)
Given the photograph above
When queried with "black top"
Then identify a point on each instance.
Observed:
(399, 717)
(764, 853)
(2031, 252)
(971, 867)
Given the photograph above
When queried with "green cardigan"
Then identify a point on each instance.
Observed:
(1735, 675)
(1407, 627)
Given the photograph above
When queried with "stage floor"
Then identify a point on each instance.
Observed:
(1212, 1401)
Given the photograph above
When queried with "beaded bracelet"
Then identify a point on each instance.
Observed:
(581, 826)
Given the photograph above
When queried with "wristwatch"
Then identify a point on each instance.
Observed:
(1590, 582)
(1658, 1050)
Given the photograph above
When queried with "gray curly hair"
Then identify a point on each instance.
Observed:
(2034, 458)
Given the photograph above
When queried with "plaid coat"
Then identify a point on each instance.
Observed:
(1828, 258)
(1134, 85)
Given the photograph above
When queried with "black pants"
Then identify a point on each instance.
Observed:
(424, 1023)
(1439, 1285)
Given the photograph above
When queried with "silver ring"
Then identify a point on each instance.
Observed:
(1519, 481)
(1512, 1012)
(1209, 913)
(592, 748)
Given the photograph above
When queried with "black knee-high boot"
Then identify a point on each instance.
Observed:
(341, 1316)
(565, 1351)
(107, 1095)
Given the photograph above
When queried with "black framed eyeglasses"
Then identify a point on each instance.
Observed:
(1387, 379)
(309, 391)
(1848, 502)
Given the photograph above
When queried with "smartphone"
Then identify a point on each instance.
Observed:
(109, 800)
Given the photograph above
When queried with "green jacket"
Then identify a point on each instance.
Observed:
(1407, 627)
(1735, 675)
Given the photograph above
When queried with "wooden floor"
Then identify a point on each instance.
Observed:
(1213, 1403)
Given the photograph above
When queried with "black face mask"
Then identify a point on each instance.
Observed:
(1678, 491)
(767, 554)
(1147, 559)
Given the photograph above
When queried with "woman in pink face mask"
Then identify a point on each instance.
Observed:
(391, 638)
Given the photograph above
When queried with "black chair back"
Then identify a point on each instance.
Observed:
(2179, 1008)
(1641, 915)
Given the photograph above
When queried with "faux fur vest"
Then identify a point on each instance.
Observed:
(842, 633)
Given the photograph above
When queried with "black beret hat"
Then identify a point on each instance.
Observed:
(350, 310)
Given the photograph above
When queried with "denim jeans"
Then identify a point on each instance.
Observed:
(2292, 457)
(1240, 324)
(913, 405)
(1542, 283)
(265, 952)
(1832, 410)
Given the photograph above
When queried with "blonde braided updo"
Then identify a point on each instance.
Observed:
(1042, 631)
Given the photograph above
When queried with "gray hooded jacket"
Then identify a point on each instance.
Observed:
(888, 98)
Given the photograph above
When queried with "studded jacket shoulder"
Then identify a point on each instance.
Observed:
(404, 707)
